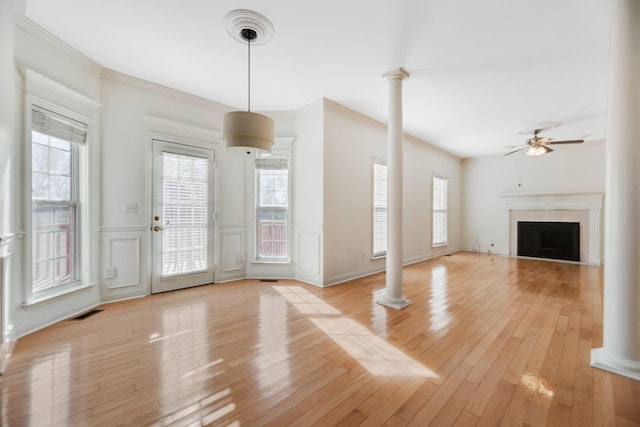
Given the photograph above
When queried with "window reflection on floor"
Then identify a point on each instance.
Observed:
(185, 329)
(439, 301)
(50, 386)
(273, 340)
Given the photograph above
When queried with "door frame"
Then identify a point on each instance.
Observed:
(164, 130)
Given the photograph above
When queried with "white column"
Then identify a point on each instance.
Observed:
(393, 294)
(620, 352)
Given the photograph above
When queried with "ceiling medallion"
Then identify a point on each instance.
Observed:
(241, 19)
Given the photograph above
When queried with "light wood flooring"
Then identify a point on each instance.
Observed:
(488, 340)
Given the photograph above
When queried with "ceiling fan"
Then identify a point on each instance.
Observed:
(539, 145)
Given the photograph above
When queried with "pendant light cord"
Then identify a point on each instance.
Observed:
(249, 35)
(249, 75)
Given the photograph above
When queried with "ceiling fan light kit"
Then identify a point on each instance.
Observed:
(539, 145)
(246, 132)
(538, 151)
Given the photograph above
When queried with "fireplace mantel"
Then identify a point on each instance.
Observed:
(555, 201)
(586, 208)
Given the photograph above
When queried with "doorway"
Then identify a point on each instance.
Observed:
(182, 216)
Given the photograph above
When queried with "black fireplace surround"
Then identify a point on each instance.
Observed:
(554, 240)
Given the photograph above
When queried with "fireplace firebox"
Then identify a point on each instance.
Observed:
(554, 240)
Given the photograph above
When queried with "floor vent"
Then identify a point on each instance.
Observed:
(448, 255)
(269, 280)
(87, 314)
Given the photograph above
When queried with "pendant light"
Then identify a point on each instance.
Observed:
(246, 132)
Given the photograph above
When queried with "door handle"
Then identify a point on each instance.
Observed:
(157, 228)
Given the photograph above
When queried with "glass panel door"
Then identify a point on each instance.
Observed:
(182, 216)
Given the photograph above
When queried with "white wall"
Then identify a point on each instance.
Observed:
(351, 141)
(8, 178)
(579, 168)
(421, 162)
(308, 190)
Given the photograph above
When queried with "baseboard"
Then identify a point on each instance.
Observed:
(600, 359)
(379, 269)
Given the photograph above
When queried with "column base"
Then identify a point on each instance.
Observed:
(627, 368)
(397, 304)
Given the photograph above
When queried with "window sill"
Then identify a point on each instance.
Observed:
(439, 245)
(266, 261)
(55, 294)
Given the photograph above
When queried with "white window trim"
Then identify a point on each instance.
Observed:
(381, 254)
(446, 242)
(276, 155)
(46, 93)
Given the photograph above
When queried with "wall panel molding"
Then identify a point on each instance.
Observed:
(124, 263)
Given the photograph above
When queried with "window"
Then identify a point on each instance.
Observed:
(439, 225)
(379, 209)
(54, 198)
(272, 206)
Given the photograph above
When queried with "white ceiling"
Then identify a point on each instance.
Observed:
(481, 71)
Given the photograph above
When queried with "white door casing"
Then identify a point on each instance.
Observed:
(182, 216)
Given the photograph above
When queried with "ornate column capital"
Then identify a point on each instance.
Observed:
(396, 74)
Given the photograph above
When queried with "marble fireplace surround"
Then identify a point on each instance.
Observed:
(585, 208)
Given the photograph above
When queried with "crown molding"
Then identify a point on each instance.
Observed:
(160, 126)
(39, 33)
(43, 87)
(118, 77)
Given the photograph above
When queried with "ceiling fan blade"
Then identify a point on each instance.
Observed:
(546, 149)
(542, 140)
(573, 141)
(515, 151)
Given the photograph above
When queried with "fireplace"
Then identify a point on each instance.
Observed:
(554, 240)
(582, 208)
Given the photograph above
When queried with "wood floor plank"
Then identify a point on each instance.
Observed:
(455, 405)
(488, 340)
(604, 413)
(440, 398)
(623, 399)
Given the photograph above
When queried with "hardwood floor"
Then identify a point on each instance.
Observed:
(487, 341)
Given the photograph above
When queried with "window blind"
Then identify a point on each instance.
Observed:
(439, 219)
(58, 126)
(271, 164)
(380, 189)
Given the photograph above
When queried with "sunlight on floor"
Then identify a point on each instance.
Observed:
(372, 352)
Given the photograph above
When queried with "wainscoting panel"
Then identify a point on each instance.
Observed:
(9, 265)
(233, 253)
(309, 256)
(125, 263)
